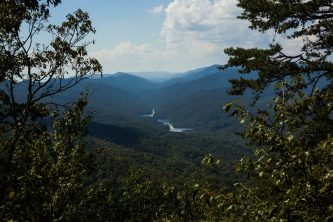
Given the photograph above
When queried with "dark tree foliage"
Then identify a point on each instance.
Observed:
(42, 168)
(40, 68)
(46, 183)
(291, 175)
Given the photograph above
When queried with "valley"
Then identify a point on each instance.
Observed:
(168, 127)
(165, 127)
(166, 110)
(192, 100)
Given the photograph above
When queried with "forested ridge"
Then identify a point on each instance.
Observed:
(269, 157)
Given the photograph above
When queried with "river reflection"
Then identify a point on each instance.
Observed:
(173, 129)
(167, 123)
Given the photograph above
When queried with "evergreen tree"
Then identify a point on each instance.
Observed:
(291, 174)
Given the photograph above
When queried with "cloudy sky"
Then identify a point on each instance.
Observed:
(163, 35)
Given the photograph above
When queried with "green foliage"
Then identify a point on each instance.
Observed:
(144, 198)
(48, 168)
(46, 173)
(39, 69)
(42, 167)
(290, 173)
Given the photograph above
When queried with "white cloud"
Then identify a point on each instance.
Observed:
(127, 56)
(130, 57)
(193, 34)
(205, 22)
(156, 10)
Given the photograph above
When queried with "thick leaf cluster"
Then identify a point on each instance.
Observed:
(42, 151)
(292, 137)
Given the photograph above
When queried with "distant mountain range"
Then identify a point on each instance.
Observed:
(193, 99)
(157, 76)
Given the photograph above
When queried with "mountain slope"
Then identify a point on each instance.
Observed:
(208, 81)
(193, 100)
(192, 75)
(128, 83)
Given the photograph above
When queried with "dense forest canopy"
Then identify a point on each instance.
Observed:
(52, 171)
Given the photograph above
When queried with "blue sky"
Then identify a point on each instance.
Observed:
(163, 35)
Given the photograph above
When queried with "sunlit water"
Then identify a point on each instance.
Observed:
(167, 123)
(173, 129)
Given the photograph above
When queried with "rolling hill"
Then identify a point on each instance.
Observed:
(192, 99)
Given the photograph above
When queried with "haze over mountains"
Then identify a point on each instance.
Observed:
(191, 102)
(193, 99)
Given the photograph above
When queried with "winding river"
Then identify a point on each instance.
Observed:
(150, 115)
(167, 123)
(173, 129)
